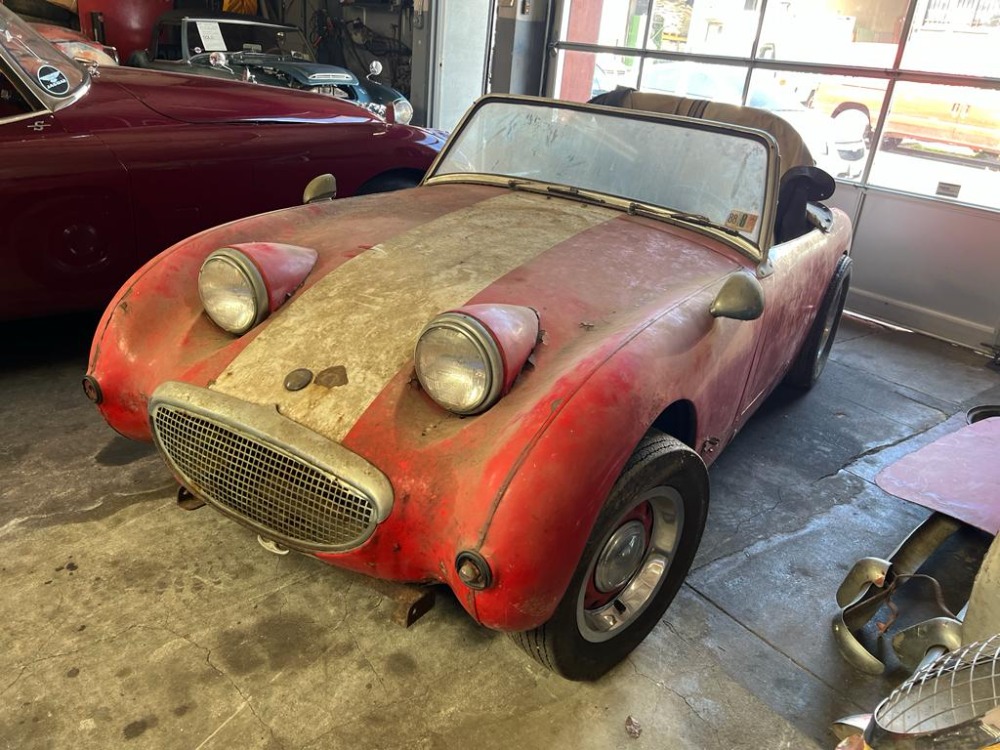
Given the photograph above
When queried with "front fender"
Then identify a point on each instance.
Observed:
(541, 520)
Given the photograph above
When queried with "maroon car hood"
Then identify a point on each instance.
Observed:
(200, 99)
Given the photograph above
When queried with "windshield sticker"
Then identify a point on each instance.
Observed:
(211, 36)
(741, 221)
(53, 80)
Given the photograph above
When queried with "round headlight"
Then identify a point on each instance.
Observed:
(232, 291)
(402, 110)
(459, 364)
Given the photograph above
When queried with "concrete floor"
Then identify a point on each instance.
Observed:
(126, 622)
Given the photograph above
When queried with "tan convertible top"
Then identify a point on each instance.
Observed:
(792, 150)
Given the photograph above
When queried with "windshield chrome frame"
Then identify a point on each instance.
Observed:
(756, 251)
(49, 104)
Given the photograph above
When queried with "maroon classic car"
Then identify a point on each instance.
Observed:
(104, 168)
(510, 379)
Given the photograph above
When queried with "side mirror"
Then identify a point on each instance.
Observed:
(375, 68)
(322, 188)
(741, 298)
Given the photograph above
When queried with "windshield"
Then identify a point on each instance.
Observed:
(86, 53)
(252, 38)
(712, 171)
(49, 71)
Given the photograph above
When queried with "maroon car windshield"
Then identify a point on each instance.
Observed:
(48, 70)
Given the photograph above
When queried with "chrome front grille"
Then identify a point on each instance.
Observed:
(261, 484)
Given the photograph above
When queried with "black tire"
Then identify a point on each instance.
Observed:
(815, 351)
(387, 183)
(660, 467)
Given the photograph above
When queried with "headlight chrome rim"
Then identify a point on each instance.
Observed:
(402, 111)
(252, 274)
(487, 348)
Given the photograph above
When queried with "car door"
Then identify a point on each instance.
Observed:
(793, 291)
(66, 235)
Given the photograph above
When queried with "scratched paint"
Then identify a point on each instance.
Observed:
(366, 315)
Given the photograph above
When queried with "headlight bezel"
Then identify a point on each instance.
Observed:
(402, 104)
(255, 280)
(490, 353)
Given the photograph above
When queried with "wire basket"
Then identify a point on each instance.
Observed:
(948, 699)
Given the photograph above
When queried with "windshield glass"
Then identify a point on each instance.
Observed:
(86, 52)
(717, 173)
(251, 38)
(48, 69)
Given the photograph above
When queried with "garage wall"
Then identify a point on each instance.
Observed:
(926, 265)
(463, 28)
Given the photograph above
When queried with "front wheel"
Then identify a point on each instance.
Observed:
(637, 556)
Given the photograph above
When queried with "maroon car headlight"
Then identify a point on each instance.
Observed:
(232, 291)
(242, 284)
(468, 358)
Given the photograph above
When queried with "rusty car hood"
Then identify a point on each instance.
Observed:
(202, 99)
(591, 272)
(595, 275)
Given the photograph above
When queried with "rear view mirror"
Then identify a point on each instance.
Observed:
(320, 188)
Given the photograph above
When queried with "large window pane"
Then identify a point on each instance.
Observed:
(583, 75)
(853, 105)
(610, 23)
(858, 32)
(837, 148)
(721, 83)
(704, 26)
(955, 36)
(942, 141)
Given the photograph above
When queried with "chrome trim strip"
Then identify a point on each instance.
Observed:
(339, 77)
(267, 425)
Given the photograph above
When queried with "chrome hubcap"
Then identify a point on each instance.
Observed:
(632, 565)
(621, 557)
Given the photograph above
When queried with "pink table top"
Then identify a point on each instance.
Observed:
(958, 475)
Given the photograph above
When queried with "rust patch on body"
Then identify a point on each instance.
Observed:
(332, 377)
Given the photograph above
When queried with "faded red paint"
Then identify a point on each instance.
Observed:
(624, 310)
(515, 330)
(282, 267)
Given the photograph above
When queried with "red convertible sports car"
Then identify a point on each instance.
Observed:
(510, 379)
(104, 168)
